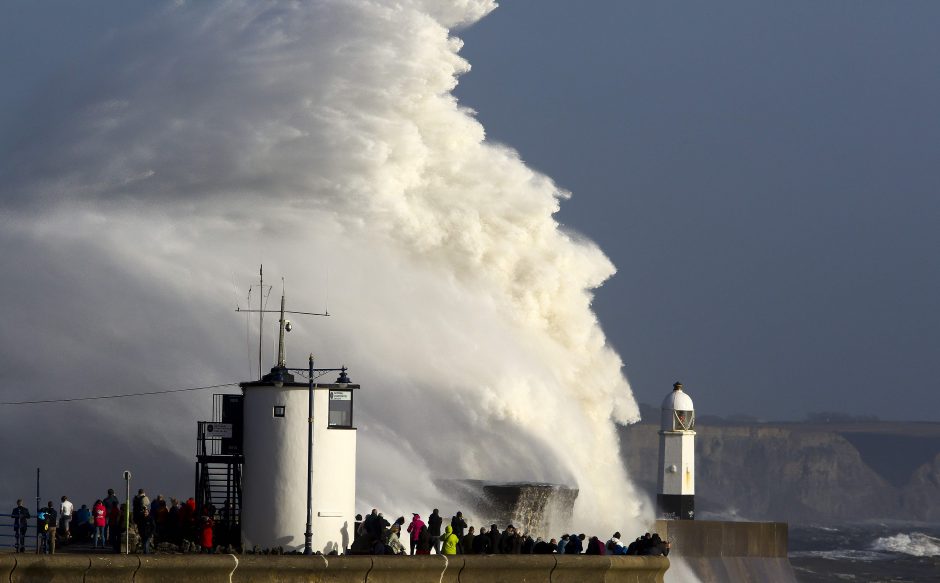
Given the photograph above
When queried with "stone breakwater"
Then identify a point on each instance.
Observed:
(731, 552)
(67, 568)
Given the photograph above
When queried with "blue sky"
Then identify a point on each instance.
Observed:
(765, 177)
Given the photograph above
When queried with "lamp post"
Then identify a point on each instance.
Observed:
(127, 512)
(308, 535)
(311, 373)
(37, 512)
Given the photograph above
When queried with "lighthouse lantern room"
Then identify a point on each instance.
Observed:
(675, 497)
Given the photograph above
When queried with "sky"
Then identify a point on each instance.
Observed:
(743, 192)
(764, 177)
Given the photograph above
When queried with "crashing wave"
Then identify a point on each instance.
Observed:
(916, 544)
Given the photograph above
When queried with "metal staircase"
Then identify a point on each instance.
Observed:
(219, 468)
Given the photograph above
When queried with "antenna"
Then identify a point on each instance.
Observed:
(281, 359)
(260, 318)
(283, 324)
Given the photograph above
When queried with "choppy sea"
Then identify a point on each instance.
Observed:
(866, 552)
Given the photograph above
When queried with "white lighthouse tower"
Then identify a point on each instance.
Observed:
(299, 476)
(675, 496)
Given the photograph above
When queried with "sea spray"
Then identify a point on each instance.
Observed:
(317, 138)
(916, 544)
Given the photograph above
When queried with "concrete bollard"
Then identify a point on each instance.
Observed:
(188, 568)
(283, 569)
(7, 564)
(347, 569)
(455, 565)
(49, 568)
(637, 569)
(397, 569)
(507, 568)
(579, 569)
(112, 569)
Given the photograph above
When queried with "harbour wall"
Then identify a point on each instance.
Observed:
(74, 568)
(739, 552)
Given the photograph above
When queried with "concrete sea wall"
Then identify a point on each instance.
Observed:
(68, 568)
(738, 552)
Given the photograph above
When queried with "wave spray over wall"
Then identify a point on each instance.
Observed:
(322, 139)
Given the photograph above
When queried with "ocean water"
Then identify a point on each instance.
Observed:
(866, 552)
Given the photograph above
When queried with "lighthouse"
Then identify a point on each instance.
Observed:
(675, 498)
(299, 443)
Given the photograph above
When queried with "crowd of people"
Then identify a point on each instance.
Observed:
(183, 526)
(105, 524)
(375, 535)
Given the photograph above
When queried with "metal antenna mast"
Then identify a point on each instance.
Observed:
(260, 319)
(284, 325)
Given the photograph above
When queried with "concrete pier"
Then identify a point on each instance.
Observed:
(738, 552)
(74, 568)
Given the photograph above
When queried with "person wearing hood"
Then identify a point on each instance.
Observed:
(415, 530)
(450, 541)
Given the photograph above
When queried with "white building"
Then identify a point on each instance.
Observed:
(675, 496)
(276, 444)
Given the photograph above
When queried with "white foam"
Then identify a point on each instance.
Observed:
(841, 555)
(915, 544)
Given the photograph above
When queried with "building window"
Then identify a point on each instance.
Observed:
(341, 408)
(279, 410)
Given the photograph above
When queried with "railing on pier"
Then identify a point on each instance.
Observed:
(8, 533)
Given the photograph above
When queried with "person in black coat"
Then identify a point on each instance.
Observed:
(544, 548)
(146, 527)
(528, 543)
(575, 544)
(434, 530)
(494, 539)
(466, 542)
(21, 518)
(458, 524)
(481, 543)
(506, 540)
(657, 547)
(424, 541)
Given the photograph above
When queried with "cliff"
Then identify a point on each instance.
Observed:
(804, 472)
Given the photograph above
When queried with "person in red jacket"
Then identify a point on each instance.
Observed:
(415, 529)
(205, 532)
(100, 517)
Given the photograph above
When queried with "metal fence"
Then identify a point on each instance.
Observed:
(8, 536)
